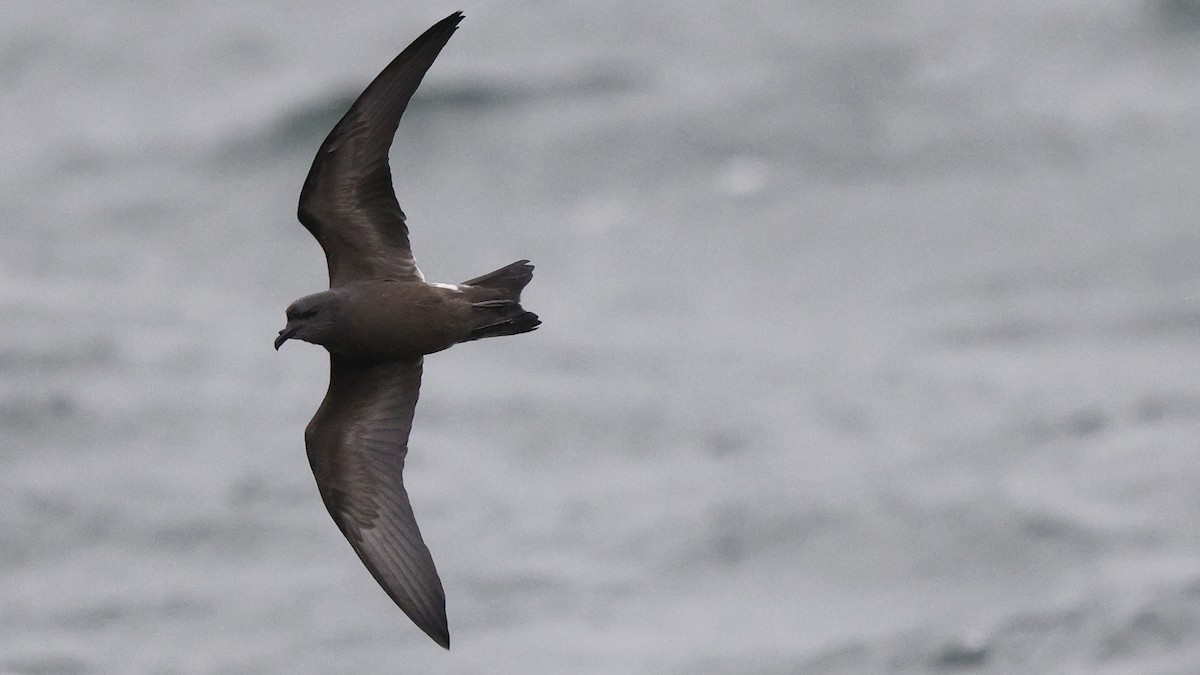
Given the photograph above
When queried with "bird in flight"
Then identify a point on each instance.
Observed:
(378, 320)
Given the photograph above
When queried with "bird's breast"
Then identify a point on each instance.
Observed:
(391, 319)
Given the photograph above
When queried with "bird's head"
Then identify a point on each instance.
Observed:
(311, 318)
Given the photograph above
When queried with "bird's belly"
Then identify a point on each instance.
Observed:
(395, 325)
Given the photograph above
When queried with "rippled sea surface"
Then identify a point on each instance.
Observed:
(871, 342)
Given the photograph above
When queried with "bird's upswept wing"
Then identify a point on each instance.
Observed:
(356, 444)
(347, 201)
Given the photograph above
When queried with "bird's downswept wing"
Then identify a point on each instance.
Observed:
(356, 444)
(347, 201)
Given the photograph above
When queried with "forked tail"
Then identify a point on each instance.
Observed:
(496, 297)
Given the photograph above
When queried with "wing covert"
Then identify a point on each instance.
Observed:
(356, 444)
(348, 202)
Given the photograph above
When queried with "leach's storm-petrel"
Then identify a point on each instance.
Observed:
(378, 320)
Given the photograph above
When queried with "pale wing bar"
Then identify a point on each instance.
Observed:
(357, 443)
(348, 202)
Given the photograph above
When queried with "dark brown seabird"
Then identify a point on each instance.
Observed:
(378, 320)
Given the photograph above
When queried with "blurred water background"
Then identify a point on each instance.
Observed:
(871, 337)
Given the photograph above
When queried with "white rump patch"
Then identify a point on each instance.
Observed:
(449, 287)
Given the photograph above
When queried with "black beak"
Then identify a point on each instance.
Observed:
(285, 334)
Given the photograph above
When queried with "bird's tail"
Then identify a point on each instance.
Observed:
(496, 297)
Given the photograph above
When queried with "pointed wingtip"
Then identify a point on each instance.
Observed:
(440, 632)
(434, 624)
(442, 29)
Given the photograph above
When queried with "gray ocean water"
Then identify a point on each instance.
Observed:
(871, 342)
